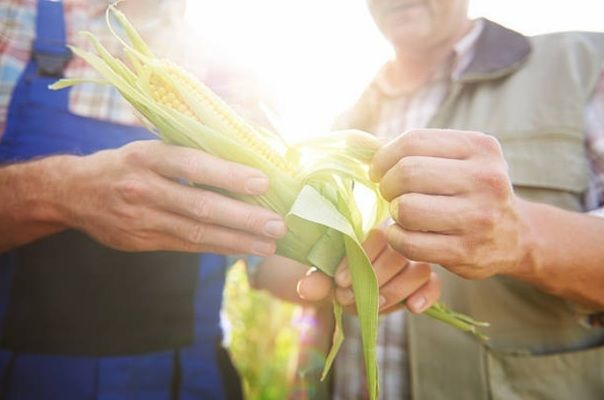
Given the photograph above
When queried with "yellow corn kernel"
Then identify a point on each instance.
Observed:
(166, 95)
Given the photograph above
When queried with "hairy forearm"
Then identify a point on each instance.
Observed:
(30, 196)
(566, 255)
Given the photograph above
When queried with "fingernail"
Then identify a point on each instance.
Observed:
(263, 249)
(382, 301)
(343, 278)
(418, 304)
(394, 209)
(300, 289)
(275, 228)
(257, 185)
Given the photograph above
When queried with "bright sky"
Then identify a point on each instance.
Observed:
(315, 56)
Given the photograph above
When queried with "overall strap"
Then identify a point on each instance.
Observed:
(50, 54)
(49, 48)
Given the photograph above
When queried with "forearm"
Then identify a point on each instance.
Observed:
(30, 198)
(566, 254)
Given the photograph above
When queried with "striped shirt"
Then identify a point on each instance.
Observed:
(400, 112)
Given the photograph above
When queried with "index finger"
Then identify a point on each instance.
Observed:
(199, 167)
(443, 143)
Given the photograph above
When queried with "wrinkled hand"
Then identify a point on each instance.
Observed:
(129, 199)
(398, 279)
(453, 202)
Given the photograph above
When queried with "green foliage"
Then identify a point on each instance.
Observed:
(263, 340)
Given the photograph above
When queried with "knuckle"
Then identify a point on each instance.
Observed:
(406, 201)
(131, 190)
(500, 185)
(408, 211)
(413, 139)
(487, 144)
(423, 270)
(190, 164)
(495, 181)
(232, 176)
(136, 153)
(386, 190)
(197, 234)
(410, 249)
(397, 262)
(486, 219)
(404, 173)
(468, 251)
(242, 243)
(202, 207)
(404, 170)
(456, 254)
(252, 221)
(406, 165)
(395, 238)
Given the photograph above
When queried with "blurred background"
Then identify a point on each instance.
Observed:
(313, 58)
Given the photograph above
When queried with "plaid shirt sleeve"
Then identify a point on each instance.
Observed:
(17, 32)
(594, 136)
(17, 20)
(161, 31)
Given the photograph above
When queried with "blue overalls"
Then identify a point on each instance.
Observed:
(81, 321)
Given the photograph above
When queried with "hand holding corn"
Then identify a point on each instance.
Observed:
(401, 281)
(128, 199)
(457, 208)
(314, 185)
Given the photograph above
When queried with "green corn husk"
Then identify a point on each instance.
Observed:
(311, 183)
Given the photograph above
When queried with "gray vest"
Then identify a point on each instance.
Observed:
(531, 95)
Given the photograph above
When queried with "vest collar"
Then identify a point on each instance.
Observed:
(499, 51)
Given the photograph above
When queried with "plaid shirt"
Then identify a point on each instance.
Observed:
(162, 28)
(402, 111)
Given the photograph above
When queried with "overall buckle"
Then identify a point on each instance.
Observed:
(52, 65)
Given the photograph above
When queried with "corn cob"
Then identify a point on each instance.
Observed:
(316, 196)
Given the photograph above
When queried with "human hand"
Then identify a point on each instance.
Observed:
(453, 202)
(398, 279)
(129, 199)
